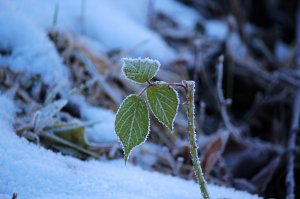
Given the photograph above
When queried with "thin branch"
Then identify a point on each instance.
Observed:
(291, 145)
(161, 83)
(69, 144)
(144, 89)
(182, 84)
(223, 102)
(70, 127)
(110, 91)
(291, 148)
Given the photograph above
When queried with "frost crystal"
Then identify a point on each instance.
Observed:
(140, 70)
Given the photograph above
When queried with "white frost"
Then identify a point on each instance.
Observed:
(177, 107)
(148, 130)
(142, 61)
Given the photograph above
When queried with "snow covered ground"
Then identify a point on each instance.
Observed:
(34, 172)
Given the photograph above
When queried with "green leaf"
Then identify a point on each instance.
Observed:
(132, 123)
(140, 70)
(163, 101)
(73, 133)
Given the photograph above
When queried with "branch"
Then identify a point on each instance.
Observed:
(291, 148)
(291, 145)
(223, 102)
(69, 144)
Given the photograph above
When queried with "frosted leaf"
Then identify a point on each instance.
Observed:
(44, 117)
(140, 70)
(163, 101)
(132, 123)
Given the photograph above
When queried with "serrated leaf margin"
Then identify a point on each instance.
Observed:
(142, 59)
(176, 112)
(148, 130)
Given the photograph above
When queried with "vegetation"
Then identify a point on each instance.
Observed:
(132, 122)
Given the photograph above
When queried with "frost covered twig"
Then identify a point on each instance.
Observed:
(223, 102)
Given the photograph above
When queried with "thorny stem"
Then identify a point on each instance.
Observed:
(190, 86)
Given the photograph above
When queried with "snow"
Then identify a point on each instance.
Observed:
(34, 172)
(103, 131)
(30, 48)
(122, 31)
(282, 51)
(216, 29)
(182, 15)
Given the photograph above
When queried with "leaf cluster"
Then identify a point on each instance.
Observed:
(132, 123)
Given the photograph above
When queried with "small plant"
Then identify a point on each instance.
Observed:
(132, 123)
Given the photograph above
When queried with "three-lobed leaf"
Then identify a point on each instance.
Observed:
(140, 70)
(163, 101)
(132, 123)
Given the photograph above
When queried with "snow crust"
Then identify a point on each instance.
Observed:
(34, 172)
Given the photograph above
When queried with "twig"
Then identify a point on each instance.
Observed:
(14, 196)
(223, 102)
(182, 85)
(237, 8)
(197, 65)
(144, 89)
(70, 127)
(291, 148)
(116, 97)
(151, 15)
(69, 144)
(82, 15)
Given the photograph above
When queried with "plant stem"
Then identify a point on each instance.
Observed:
(190, 85)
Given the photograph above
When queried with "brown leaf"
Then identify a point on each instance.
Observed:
(212, 155)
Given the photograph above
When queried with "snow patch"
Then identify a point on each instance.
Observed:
(34, 172)
(216, 29)
(28, 48)
(122, 30)
(102, 130)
